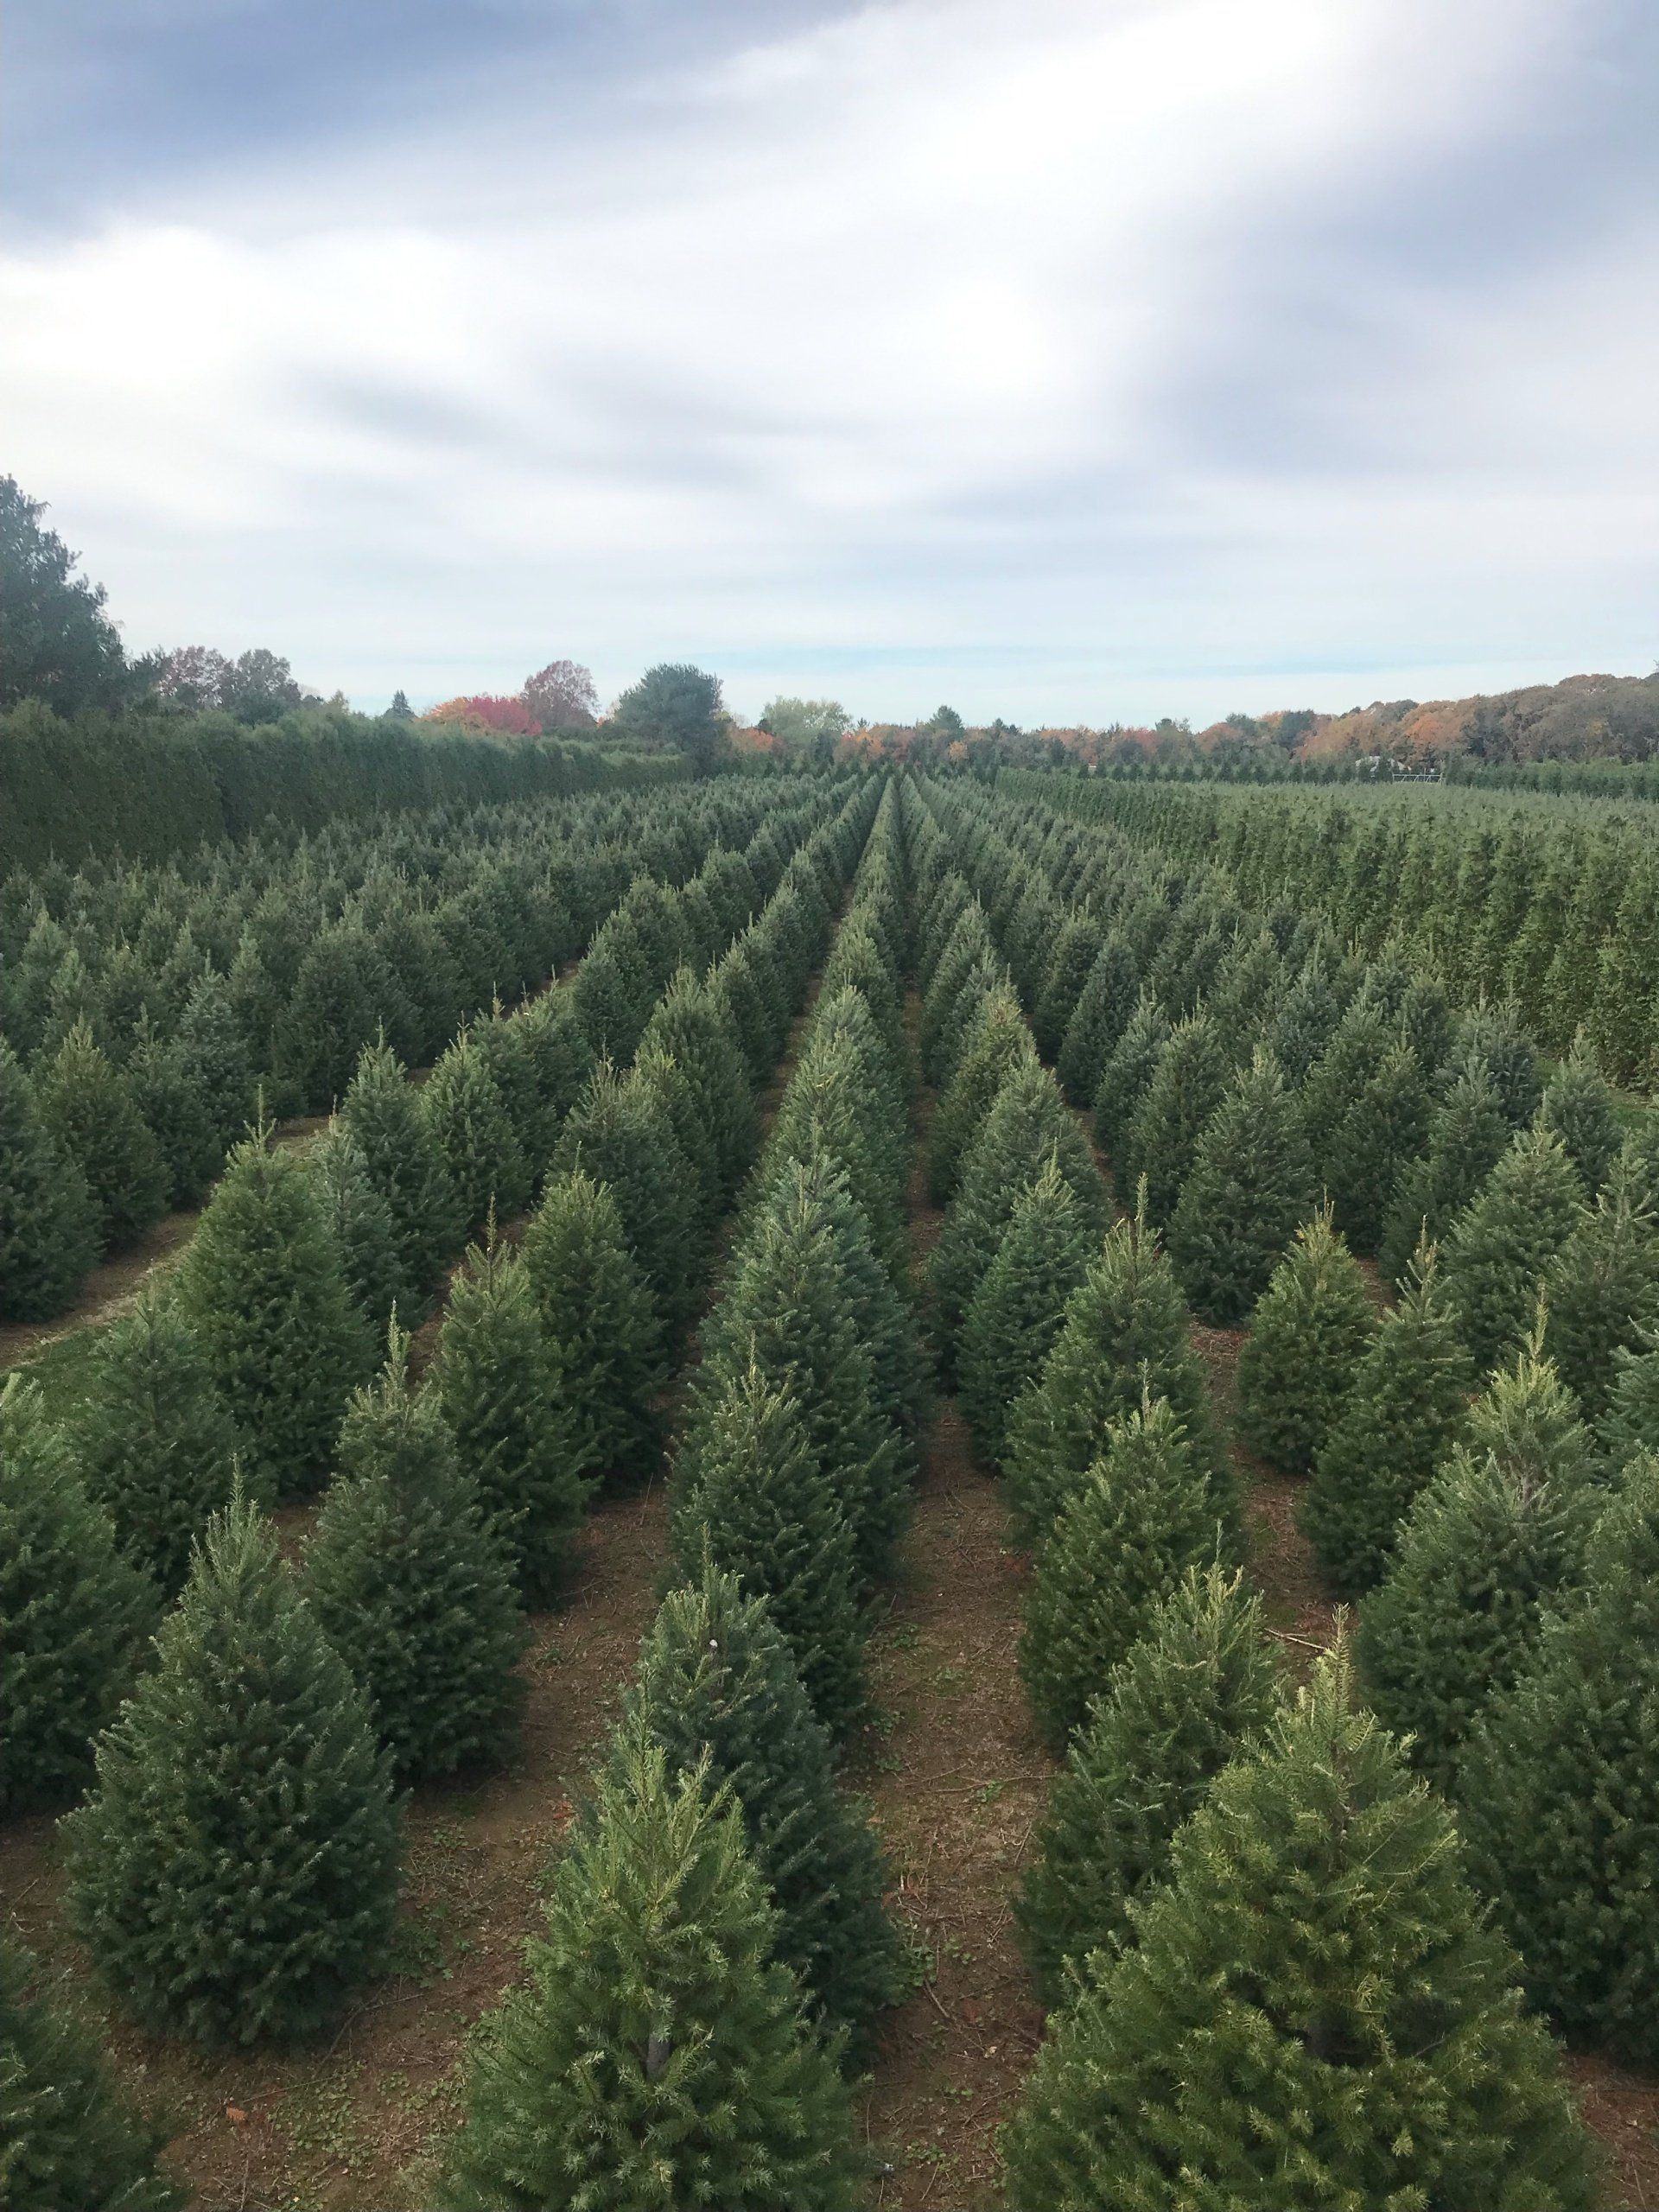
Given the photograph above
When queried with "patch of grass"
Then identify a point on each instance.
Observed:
(64, 1370)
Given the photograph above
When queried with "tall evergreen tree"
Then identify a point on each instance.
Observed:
(155, 1439)
(615, 1135)
(48, 1229)
(1187, 1088)
(88, 1107)
(77, 1614)
(263, 1286)
(234, 1872)
(1560, 1789)
(1396, 1423)
(1070, 961)
(1497, 1534)
(657, 2057)
(1250, 1186)
(1491, 1040)
(998, 1045)
(1128, 1531)
(1468, 1134)
(716, 1682)
(1197, 1681)
(515, 1438)
(1578, 1108)
(381, 1114)
(1630, 1424)
(1015, 1314)
(1497, 1252)
(1602, 1292)
(1099, 1018)
(1124, 1080)
(413, 1585)
(372, 1253)
(1314, 2014)
(1309, 1332)
(1379, 1133)
(473, 1132)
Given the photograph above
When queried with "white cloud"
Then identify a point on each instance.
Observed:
(872, 339)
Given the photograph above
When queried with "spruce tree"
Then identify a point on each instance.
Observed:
(1499, 1533)
(473, 1132)
(214, 1051)
(616, 1135)
(48, 1230)
(1015, 1314)
(1099, 1018)
(1309, 1332)
(372, 1253)
(69, 2140)
(557, 1060)
(1186, 1087)
(1141, 1516)
(1197, 1681)
(515, 1440)
(77, 1615)
(657, 2057)
(1630, 1424)
(1559, 1789)
(1124, 1080)
(88, 1107)
(1397, 1422)
(998, 1045)
(234, 1872)
(1578, 1108)
(175, 1113)
(716, 1682)
(1124, 1337)
(1251, 1187)
(413, 1585)
(600, 1326)
(1490, 1039)
(1602, 1292)
(1468, 1134)
(1070, 961)
(381, 1114)
(1378, 1135)
(263, 1287)
(155, 1439)
(1306, 1014)
(690, 1023)
(750, 1495)
(1497, 1253)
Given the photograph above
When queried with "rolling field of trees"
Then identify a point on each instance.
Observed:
(832, 1488)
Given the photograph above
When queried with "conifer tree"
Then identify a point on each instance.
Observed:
(515, 1440)
(1124, 1080)
(1306, 1017)
(87, 1105)
(1174, 1710)
(997, 1046)
(1499, 1533)
(1250, 1186)
(1070, 961)
(1015, 1314)
(474, 1137)
(372, 1253)
(69, 2140)
(1124, 1337)
(1468, 1134)
(600, 1326)
(1187, 1088)
(153, 1438)
(48, 1232)
(1141, 1516)
(217, 1062)
(616, 1136)
(690, 1023)
(658, 2056)
(234, 1872)
(1497, 1253)
(1602, 1292)
(1309, 1332)
(413, 1585)
(381, 1114)
(1630, 1424)
(716, 1682)
(557, 1062)
(1377, 1136)
(1099, 1018)
(1490, 1040)
(175, 1112)
(77, 1614)
(1315, 2013)
(751, 1497)
(263, 1287)
(1578, 1108)
(1560, 1789)
(1398, 1421)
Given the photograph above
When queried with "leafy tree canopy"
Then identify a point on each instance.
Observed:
(56, 642)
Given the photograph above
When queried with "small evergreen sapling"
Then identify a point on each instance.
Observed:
(1175, 1709)
(48, 1229)
(657, 2057)
(1496, 1255)
(235, 1871)
(1313, 2013)
(414, 1587)
(1308, 1334)
(1016, 1313)
(1250, 1188)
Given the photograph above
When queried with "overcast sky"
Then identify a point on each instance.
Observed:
(1064, 360)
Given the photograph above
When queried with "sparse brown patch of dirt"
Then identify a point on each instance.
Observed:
(1621, 2108)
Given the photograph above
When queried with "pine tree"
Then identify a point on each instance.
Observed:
(1468, 1134)
(49, 1233)
(68, 2141)
(515, 1440)
(690, 1023)
(1497, 1253)
(1123, 1082)
(474, 1134)
(1099, 1018)
(372, 1253)
(263, 1287)
(998, 1045)
(1251, 1187)
(1186, 1089)
(77, 1615)
(751, 1497)
(217, 1062)
(1497, 1534)
(1602, 1292)
(1578, 1108)
(413, 1585)
(1306, 1015)
(558, 1061)
(599, 1322)
(1309, 1332)
(657, 2057)
(155, 1439)
(1121, 1542)
(87, 1106)
(1492, 1041)
(235, 1871)
(1399, 1420)
(1015, 1314)
(1174, 1710)
(716, 1682)
(1070, 962)
(1630, 1424)
(1560, 1789)
(1314, 2016)
(1375, 1139)
(1124, 1337)
(616, 1136)
(381, 1114)
(175, 1113)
